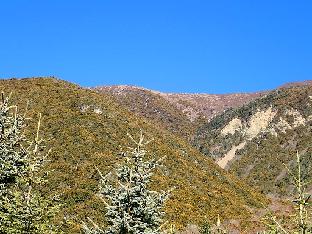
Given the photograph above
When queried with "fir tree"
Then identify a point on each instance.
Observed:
(131, 206)
(13, 155)
(23, 209)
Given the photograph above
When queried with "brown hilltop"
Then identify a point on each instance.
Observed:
(197, 105)
(296, 84)
(194, 106)
(208, 105)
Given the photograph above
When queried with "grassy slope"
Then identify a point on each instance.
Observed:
(82, 140)
(262, 161)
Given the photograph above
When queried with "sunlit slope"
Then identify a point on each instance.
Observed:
(85, 129)
(151, 105)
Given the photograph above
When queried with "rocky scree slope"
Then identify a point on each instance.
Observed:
(256, 140)
(85, 129)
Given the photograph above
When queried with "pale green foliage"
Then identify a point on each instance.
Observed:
(131, 206)
(23, 209)
(13, 155)
(24, 214)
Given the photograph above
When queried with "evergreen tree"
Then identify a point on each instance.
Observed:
(23, 209)
(131, 206)
(13, 155)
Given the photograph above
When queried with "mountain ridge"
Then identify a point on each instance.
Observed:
(195, 105)
(87, 129)
(200, 105)
(248, 121)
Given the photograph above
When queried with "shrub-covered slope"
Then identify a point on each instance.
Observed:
(151, 105)
(85, 129)
(181, 113)
(207, 106)
(256, 140)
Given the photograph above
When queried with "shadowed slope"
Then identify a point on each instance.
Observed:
(271, 129)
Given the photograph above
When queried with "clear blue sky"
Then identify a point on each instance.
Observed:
(215, 46)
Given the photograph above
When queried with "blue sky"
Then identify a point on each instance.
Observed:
(168, 45)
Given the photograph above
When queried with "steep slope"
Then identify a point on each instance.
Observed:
(87, 129)
(256, 140)
(149, 104)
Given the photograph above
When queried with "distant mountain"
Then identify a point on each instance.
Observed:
(85, 129)
(194, 106)
(296, 84)
(257, 140)
(208, 105)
